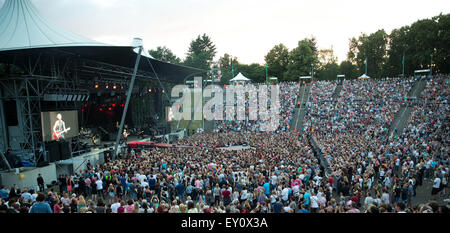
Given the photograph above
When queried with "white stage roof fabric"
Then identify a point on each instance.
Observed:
(21, 27)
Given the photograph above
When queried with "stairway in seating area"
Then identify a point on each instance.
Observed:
(404, 113)
(299, 113)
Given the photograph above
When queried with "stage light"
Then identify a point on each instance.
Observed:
(96, 86)
(163, 91)
(114, 87)
(109, 108)
(107, 86)
(149, 90)
(113, 105)
(101, 109)
(85, 105)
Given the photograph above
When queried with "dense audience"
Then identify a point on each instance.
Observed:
(287, 100)
(239, 169)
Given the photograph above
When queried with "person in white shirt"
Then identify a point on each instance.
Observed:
(436, 186)
(115, 206)
(368, 201)
(285, 194)
(296, 190)
(274, 181)
(314, 203)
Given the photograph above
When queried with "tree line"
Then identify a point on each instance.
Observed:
(418, 45)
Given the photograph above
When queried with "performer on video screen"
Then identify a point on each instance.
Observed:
(59, 128)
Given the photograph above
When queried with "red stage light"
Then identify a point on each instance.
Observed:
(113, 105)
(101, 109)
(109, 108)
(85, 105)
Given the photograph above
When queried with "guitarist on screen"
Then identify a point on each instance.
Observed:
(59, 128)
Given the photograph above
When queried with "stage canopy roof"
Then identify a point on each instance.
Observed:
(23, 32)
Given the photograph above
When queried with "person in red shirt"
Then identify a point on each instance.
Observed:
(355, 198)
(121, 208)
(226, 194)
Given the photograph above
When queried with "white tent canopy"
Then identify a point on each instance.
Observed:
(364, 76)
(21, 27)
(240, 78)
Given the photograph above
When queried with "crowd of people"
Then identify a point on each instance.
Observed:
(279, 171)
(287, 100)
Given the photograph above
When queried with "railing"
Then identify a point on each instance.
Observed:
(319, 154)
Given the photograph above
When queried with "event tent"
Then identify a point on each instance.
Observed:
(240, 78)
(364, 76)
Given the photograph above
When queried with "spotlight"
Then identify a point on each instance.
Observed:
(96, 86)
(149, 90)
(113, 105)
(107, 86)
(114, 87)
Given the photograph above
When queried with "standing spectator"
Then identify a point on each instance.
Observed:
(4, 193)
(436, 186)
(40, 182)
(40, 206)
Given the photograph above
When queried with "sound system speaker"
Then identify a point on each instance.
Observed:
(64, 150)
(42, 164)
(53, 151)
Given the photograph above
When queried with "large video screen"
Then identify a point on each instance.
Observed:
(59, 125)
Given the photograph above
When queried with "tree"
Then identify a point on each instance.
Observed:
(277, 60)
(164, 54)
(372, 47)
(300, 60)
(348, 69)
(327, 68)
(326, 56)
(201, 53)
(398, 45)
(442, 53)
(225, 67)
(254, 71)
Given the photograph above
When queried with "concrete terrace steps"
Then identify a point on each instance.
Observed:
(299, 113)
(402, 116)
(337, 91)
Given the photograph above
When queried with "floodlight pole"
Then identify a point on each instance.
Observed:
(124, 114)
(431, 65)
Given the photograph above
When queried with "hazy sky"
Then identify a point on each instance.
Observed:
(247, 29)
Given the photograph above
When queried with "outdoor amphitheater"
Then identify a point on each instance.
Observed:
(91, 127)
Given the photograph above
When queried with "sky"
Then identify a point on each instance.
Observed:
(246, 29)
